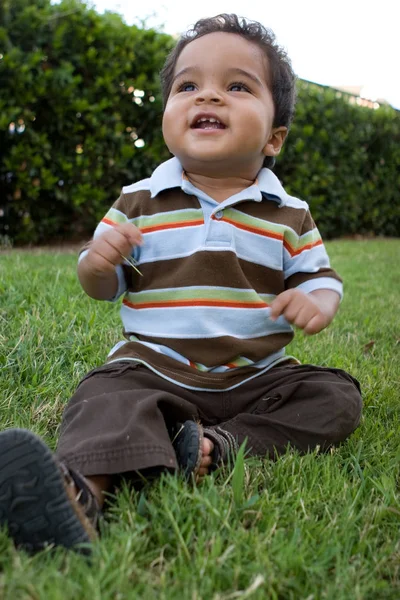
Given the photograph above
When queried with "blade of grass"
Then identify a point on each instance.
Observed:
(131, 262)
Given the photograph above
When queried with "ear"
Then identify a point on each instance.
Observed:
(275, 141)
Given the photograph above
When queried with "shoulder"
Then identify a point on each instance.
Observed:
(272, 189)
(133, 199)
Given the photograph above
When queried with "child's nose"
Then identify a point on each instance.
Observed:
(209, 95)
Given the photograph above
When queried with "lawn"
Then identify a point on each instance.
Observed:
(302, 528)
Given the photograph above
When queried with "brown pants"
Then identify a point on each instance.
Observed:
(119, 419)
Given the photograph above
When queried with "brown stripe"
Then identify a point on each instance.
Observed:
(216, 351)
(210, 269)
(135, 204)
(298, 278)
(140, 203)
(184, 373)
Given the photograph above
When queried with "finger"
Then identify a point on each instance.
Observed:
(131, 233)
(292, 311)
(118, 245)
(99, 259)
(279, 304)
(298, 306)
(103, 251)
(315, 325)
(104, 257)
(304, 316)
(113, 245)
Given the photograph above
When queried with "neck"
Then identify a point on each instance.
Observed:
(219, 188)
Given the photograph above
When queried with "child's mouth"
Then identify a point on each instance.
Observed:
(208, 123)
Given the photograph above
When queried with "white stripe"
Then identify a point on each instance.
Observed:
(167, 245)
(101, 228)
(258, 249)
(82, 255)
(122, 286)
(188, 322)
(322, 283)
(182, 242)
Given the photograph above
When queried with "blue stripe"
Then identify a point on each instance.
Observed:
(309, 261)
(195, 322)
(177, 243)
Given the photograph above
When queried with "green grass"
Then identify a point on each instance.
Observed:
(311, 527)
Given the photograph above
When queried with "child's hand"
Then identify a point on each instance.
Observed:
(109, 249)
(304, 310)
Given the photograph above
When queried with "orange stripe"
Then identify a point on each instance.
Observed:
(259, 231)
(199, 302)
(294, 252)
(160, 227)
(108, 221)
(171, 226)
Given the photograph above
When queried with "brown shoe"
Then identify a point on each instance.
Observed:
(38, 501)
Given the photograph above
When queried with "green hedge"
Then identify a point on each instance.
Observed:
(344, 160)
(70, 119)
(68, 79)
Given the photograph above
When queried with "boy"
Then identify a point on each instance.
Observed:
(228, 262)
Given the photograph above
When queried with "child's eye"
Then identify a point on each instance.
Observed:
(238, 87)
(187, 87)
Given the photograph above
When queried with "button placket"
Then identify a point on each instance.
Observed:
(219, 233)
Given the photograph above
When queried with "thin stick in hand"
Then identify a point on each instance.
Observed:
(131, 262)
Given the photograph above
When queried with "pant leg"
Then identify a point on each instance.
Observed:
(303, 406)
(118, 421)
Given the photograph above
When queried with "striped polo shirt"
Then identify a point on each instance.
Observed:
(199, 316)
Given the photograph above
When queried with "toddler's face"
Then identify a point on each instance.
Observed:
(220, 111)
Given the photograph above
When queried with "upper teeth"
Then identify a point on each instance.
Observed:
(209, 119)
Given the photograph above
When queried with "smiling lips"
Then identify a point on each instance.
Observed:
(207, 121)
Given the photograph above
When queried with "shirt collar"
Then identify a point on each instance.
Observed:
(169, 175)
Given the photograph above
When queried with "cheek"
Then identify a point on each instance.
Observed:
(166, 126)
(173, 122)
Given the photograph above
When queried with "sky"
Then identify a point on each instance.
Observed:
(332, 42)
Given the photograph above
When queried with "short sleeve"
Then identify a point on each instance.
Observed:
(114, 216)
(306, 262)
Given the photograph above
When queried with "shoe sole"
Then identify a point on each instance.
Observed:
(188, 450)
(35, 504)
